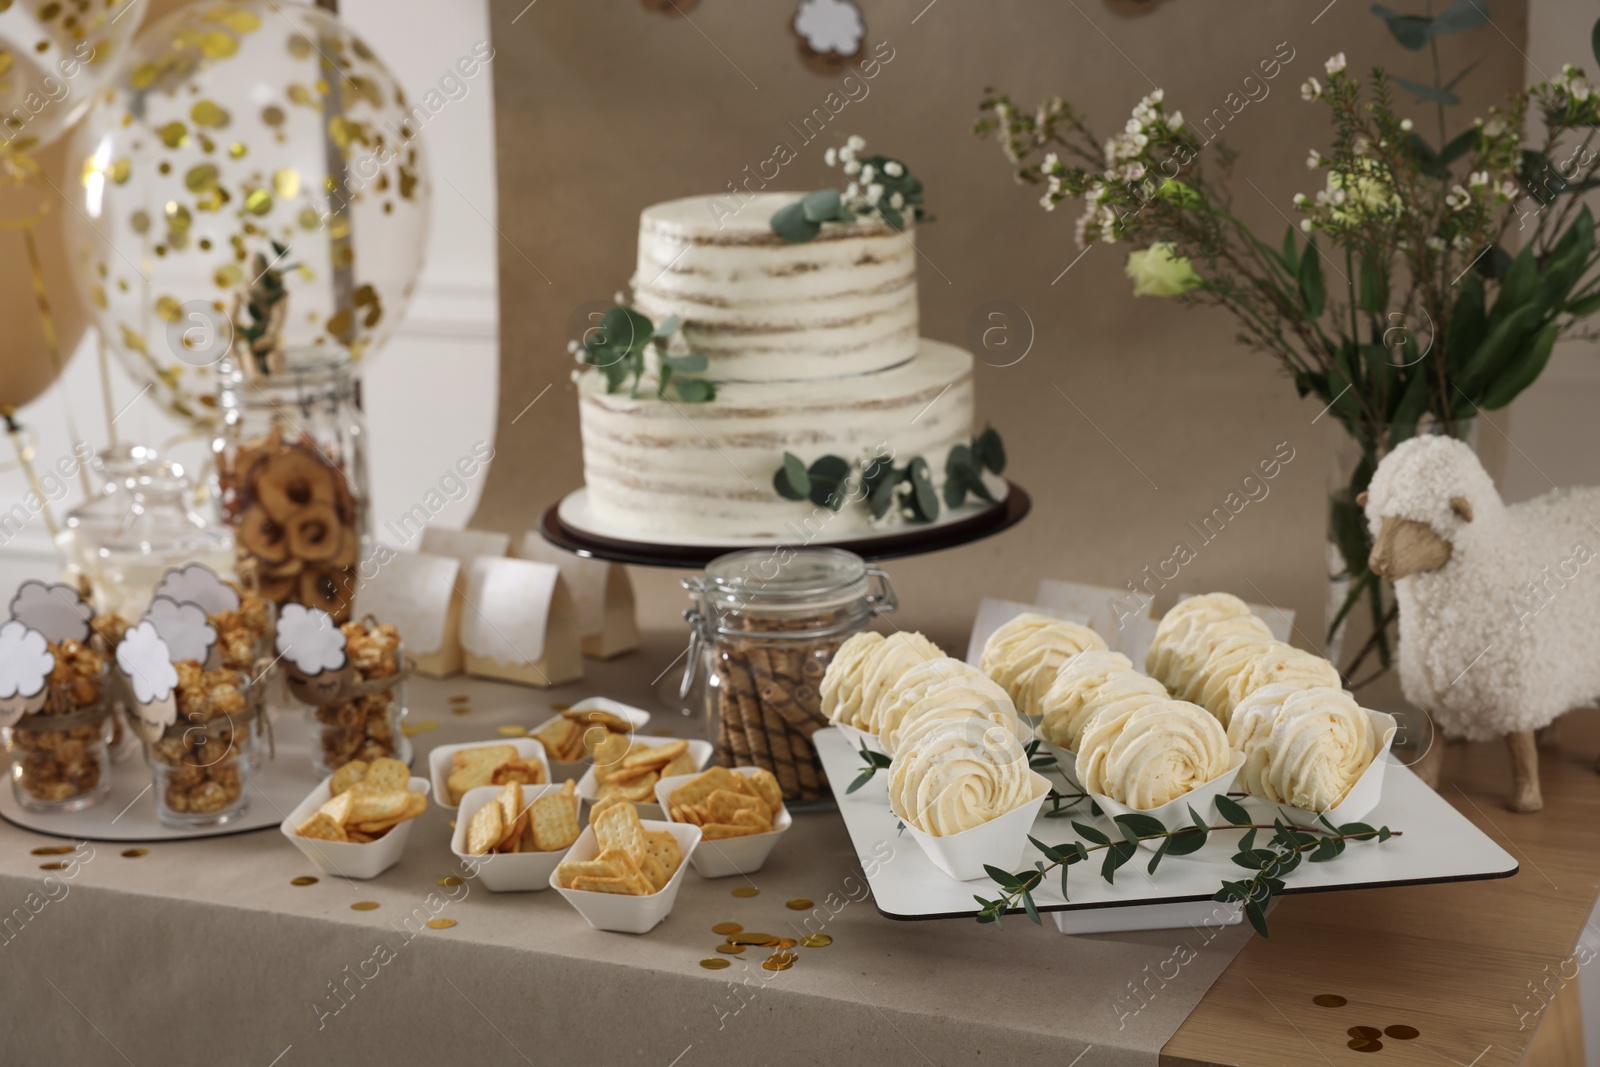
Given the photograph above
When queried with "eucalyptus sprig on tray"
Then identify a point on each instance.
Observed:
(1268, 865)
(617, 348)
(832, 481)
(879, 185)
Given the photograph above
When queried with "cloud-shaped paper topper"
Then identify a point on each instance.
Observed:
(309, 639)
(55, 610)
(199, 584)
(183, 628)
(830, 26)
(146, 660)
(25, 661)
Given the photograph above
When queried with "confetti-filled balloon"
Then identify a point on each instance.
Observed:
(54, 57)
(244, 146)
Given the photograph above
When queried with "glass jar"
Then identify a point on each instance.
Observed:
(59, 757)
(201, 765)
(292, 479)
(363, 722)
(143, 523)
(769, 621)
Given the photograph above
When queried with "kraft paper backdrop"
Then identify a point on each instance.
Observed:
(1128, 418)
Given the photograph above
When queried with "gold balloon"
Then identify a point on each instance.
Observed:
(27, 369)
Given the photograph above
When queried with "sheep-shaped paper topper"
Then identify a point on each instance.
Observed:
(1499, 606)
(830, 26)
(25, 665)
(199, 584)
(187, 632)
(310, 640)
(144, 657)
(55, 610)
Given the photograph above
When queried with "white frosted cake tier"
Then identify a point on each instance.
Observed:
(762, 309)
(659, 467)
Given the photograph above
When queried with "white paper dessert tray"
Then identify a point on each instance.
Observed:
(1439, 844)
(129, 812)
(575, 512)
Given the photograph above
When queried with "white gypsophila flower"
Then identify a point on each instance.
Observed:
(1459, 242)
(847, 154)
(1579, 90)
(852, 191)
(874, 193)
(1133, 126)
(1133, 171)
(1436, 243)
(1507, 190)
(868, 172)
(575, 375)
(1311, 90)
(1314, 160)
(1300, 200)
(831, 157)
(1305, 225)
(1458, 198)
(852, 167)
(1494, 127)
(897, 201)
(619, 297)
(1139, 141)
(1406, 124)
(1048, 201)
(1335, 63)
(855, 142)
(1361, 145)
(1175, 121)
(1051, 162)
(572, 347)
(1156, 96)
(1478, 178)
(893, 168)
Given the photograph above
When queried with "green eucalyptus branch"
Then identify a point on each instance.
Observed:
(1269, 865)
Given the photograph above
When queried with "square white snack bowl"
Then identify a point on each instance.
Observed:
(564, 769)
(699, 751)
(728, 855)
(348, 859)
(1175, 813)
(629, 915)
(506, 872)
(1000, 842)
(439, 762)
(1363, 797)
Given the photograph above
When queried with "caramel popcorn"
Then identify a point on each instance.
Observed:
(365, 727)
(62, 763)
(243, 635)
(198, 771)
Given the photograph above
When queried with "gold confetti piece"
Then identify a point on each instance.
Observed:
(56, 866)
(778, 961)
(452, 824)
(785, 943)
(237, 150)
(726, 928)
(748, 938)
(1361, 1044)
(54, 850)
(449, 881)
(440, 924)
(258, 202)
(460, 698)
(732, 950)
(209, 113)
(168, 308)
(662, 731)
(816, 941)
(714, 963)
(461, 709)
(272, 115)
(1402, 1032)
(511, 731)
(364, 905)
(799, 904)
(746, 891)
(135, 853)
(1329, 1000)
(218, 45)
(412, 729)
(1365, 1033)
(304, 879)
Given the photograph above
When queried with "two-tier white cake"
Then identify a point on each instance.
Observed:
(814, 350)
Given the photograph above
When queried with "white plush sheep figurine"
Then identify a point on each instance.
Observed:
(1499, 606)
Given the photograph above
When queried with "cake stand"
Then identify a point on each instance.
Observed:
(567, 525)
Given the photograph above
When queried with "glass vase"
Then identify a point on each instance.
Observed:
(292, 480)
(1360, 611)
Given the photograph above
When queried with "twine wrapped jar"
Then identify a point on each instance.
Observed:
(59, 757)
(769, 621)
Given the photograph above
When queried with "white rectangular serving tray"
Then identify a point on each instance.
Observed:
(1438, 844)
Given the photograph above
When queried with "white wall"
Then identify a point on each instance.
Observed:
(432, 392)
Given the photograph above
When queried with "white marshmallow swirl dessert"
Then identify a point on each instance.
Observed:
(1164, 749)
(1025, 654)
(958, 776)
(1084, 683)
(1303, 747)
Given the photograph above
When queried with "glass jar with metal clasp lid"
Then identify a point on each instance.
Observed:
(765, 625)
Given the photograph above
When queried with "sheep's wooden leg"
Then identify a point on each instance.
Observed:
(1525, 795)
(1428, 765)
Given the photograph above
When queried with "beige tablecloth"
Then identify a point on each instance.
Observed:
(203, 953)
